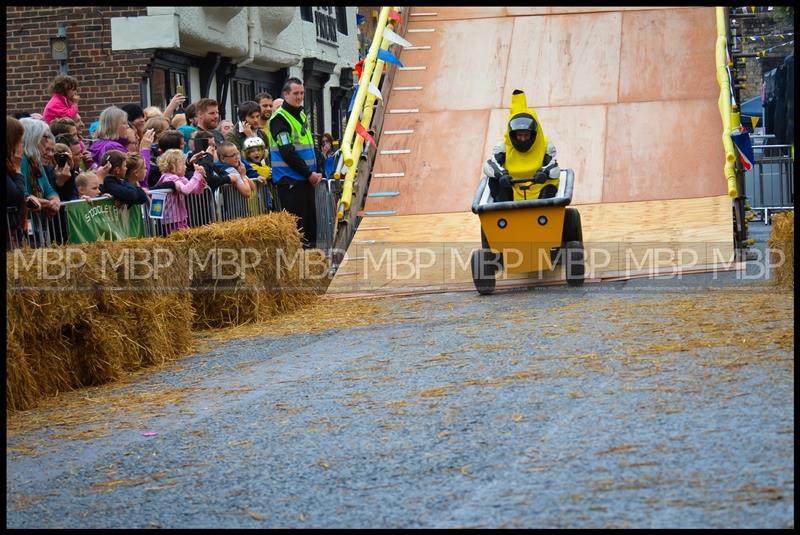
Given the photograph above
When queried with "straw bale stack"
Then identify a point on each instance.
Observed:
(130, 304)
(262, 269)
(89, 327)
(782, 239)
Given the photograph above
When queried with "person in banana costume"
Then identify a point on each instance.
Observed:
(524, 152)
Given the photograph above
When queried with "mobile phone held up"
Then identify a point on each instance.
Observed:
(61, 159)
(181, 91)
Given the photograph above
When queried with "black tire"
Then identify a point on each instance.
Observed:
(483, 270)
(572, 231)
(574, 263)
(484, 241)
(572, 227)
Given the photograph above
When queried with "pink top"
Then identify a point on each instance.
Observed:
(57, 107)
(175, 206)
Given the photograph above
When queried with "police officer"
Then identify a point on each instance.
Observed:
(524, 152)
(294, 164)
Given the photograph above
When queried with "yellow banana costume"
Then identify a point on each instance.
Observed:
(524, 160)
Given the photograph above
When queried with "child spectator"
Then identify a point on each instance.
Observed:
(64, 99)
(171, 139)
(173, 168)
(179, 120)
(115, 184)
(254, 153)
(136, 170)
(87, 185)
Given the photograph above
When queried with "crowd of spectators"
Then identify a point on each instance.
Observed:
(53, 157)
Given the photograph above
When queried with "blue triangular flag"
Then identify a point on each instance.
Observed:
(359, 19)
(352, 100)
(388, 57)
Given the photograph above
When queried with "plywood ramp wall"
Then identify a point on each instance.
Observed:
(627, 95)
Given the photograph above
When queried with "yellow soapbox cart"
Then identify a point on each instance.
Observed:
(528, 235)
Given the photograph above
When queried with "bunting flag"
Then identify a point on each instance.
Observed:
(388, 57)
(762, 53)
(359, 68)
(742, 142)
(361, 131)
(359, 19)
(372, 88)
(395, 16)
(389, 35)
(352, 101)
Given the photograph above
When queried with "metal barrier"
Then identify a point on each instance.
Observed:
(770, 184)
(202, 209)
(233, 205)
(43, 230)
(325, 201)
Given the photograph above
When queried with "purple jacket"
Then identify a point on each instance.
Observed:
(101, 146)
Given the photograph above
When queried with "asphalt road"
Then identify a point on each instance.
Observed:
(664, 404)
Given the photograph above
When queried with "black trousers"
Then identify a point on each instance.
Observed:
(298, 198)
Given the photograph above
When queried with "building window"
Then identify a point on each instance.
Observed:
(341, 20)
(250, 82)
(241, 91)
(167, 72)
(316, 115)
(306, 14)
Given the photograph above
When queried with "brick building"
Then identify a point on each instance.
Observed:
(141, 54)
(106, 77)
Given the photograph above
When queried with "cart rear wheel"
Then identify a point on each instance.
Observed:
(484, 266)
(574, 263)
(572, 227)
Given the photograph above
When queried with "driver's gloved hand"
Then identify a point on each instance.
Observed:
(540, 177)
(505, 181)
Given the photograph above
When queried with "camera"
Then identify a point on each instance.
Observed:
(61, 159)
(155, 152)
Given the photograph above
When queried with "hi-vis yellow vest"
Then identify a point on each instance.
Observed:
(526, 164)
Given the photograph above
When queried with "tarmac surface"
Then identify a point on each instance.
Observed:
(647, 404)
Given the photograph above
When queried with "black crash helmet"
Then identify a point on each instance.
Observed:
(522, 121)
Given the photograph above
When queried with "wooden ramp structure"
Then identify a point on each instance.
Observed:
(628, 96)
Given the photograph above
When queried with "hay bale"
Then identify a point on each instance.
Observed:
(246, 270)
(782, 239)
(21, 384)
(115, 312)
(106, 318)
(36, 369)
(38, 301)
